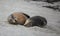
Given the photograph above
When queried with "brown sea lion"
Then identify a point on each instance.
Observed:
(18, 18)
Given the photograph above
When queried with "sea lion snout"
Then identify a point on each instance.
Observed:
(28, 23)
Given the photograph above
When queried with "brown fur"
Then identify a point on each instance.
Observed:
(18, 17)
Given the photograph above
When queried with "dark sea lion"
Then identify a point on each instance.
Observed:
(36, 21)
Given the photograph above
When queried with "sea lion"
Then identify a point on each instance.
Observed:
(36, 21)
(18, 18)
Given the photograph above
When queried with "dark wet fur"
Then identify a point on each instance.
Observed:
(26, 15)
(37, 21)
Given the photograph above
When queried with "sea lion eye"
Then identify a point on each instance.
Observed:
(15, 18)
